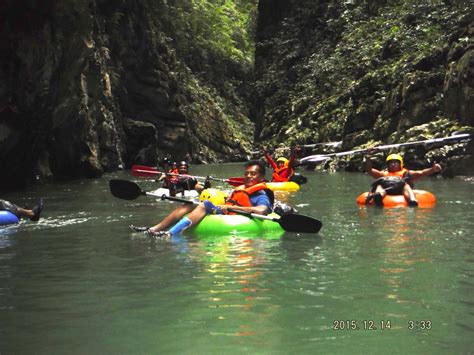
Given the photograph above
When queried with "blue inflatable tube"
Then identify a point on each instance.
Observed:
(6, 217)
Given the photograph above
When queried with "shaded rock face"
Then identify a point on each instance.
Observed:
(366, 73)
(89, 87)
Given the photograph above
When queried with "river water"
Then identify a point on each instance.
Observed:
(373, 280)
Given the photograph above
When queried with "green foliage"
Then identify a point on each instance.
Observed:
(223, 28)
(356, 57)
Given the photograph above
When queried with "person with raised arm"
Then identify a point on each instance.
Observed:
(283, 168)
(395, 180)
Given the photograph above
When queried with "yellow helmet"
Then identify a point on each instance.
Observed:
(395, 157)
(284, 160)
(217, 197)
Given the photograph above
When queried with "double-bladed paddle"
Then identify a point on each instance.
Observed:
(329, 144)
(298, 223)
(290, 222)
(126, 190)
(321, 157)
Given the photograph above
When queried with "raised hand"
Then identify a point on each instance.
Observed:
(436, 167)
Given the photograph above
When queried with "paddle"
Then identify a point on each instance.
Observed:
(236, 181)
(298, 223)
(321, 157)
(329, 144)
(147, 171)
(126, 190)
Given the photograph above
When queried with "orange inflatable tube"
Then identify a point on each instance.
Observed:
(425, 199)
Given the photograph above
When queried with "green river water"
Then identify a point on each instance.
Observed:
(398, 281)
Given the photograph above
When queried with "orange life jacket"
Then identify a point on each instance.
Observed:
(241, 195)
(400, 173)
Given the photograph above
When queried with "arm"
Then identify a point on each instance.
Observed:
(198, 187)
(367, 167)
(268, 157)
(260, 209)
(417, 174)
(190, 183)
(293, 156)
(261, 205)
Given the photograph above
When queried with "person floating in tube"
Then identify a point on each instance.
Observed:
(395, 180)
(32, 215)
(283, 168)
(253, 196)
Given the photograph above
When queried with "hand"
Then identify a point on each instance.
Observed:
(366, 164)
(436, 167)
(370, 151)
(297, 150)
(165, 162)
(207, 183)
(223, 208)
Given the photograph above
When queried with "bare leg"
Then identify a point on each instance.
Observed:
(20, 212)
(379, 195)
(25, 213)
(197, 214)
(410, 195)
(380, 190)
(173, 217)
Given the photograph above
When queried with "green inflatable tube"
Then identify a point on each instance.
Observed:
(220, 225)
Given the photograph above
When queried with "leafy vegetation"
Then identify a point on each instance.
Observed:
(214, 28)
(349, 65)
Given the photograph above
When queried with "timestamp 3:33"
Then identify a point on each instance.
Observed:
(419, 324)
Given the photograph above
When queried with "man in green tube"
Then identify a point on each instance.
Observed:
(253, 197)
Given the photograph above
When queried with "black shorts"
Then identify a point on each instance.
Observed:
(393, 185)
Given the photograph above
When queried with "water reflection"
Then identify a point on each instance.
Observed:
(81, 271)
(235, 267)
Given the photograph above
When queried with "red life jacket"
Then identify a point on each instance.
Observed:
(173, 179)
(241, 195)
(276, 174)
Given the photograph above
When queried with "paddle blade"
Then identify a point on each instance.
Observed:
(314, 159)
(299, 223)
(144, 171)
(235, 181)
(124, 189)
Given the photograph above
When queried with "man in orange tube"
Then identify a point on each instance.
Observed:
(395, 180)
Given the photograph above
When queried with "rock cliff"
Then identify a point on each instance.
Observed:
(367, 72)
(88, 87)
